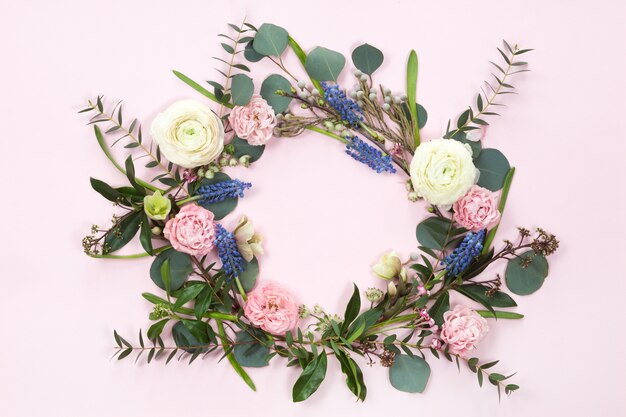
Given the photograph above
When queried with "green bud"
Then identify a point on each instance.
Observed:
(245, 160)
(209, 174)
(156, 206)
(229, 149)
(156, 230)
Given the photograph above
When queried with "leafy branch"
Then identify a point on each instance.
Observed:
(472, 119)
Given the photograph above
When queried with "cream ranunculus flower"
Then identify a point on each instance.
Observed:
(248, 242)
(388, 267)
(189, 134)
(442, 171)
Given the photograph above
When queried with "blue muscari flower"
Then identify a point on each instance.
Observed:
(233, 263)
(464, 254)
(221, 191)
(348, 110)
(370, 156)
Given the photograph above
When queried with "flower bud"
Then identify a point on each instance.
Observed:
(156, 230)
(156, 206)
(301, 84)
(388, 267)
(229, 149)
(386, 107)
(233, 162)
(317, 309)
(391, 289)
(373, 295)
(403, 275)
(413, 196)
(245, 160)
(209, 174)
(303, 312)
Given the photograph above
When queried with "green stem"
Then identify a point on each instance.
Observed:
(302, 57)
(188, 200)
(505, 193)
(242, 292)
(133, 256)
(397, 319)
(327, 133)
(231, 356)
(107, 152)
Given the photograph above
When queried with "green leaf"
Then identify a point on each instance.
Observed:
(354, 375)
(123, 233)
(242, 147)
(269, 87)
(362, 323)
(478, 292)
(188, 294)
(156, 329)
(249, 275)
(191, 335)
(199, 88)
(105, 190)
(249, 352)
(411, 92)
(270, 40)
(434, 232)
(409, 373)
(500, 314)
(352, 309)
(242, 89)
(228, 48)
(222, 208)
(179, 265)
(250, 54)
(367, 58)
(310, 379)
(524, 281)
(493, 167)
(324, 64)
(130, 174)
(439, 307)
(145, 237)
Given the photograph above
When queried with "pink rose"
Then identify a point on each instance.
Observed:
(271, 308)
(254, 122)
(462, 328)
(191, 230)
(477, 210)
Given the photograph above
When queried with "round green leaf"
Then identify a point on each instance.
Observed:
(422, 115)
(222, 208)
(409, 373)
(493, 167)
(524, 281)
(242, 89)
(188, 333)
(249, 352)
(270, 40)
(180, 268)
(433, 232)
(367, 58)
(269, 87)
(249, 275)
(250, 54)
(242, 147)
(324, 64)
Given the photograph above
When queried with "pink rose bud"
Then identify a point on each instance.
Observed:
(253, 122)
(271, 308)
(421, 290)
(476, 210)
(191, 231)
(462, 328)
(435, 344)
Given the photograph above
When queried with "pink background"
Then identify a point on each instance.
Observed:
(326, 219)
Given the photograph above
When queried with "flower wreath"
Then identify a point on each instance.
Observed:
(218, 305)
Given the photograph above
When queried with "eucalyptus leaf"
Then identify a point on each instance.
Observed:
(180, 268)
(242, 147)
(269, 87)
(524, 280)
(249, 352)
(434, 232)
(367, 58)
(324, 64)
(409, 373)
(249, 275)
(250, 54)
(242, 89)
(461, 136)
(270, 40)
(493, 167)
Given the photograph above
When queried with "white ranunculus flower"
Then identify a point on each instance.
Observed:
(442, 171)
(189, 134)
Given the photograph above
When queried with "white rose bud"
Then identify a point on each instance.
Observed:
(442, 171)
(188, 133)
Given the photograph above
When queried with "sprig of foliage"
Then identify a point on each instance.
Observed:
(133, 133)
(472, 118)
